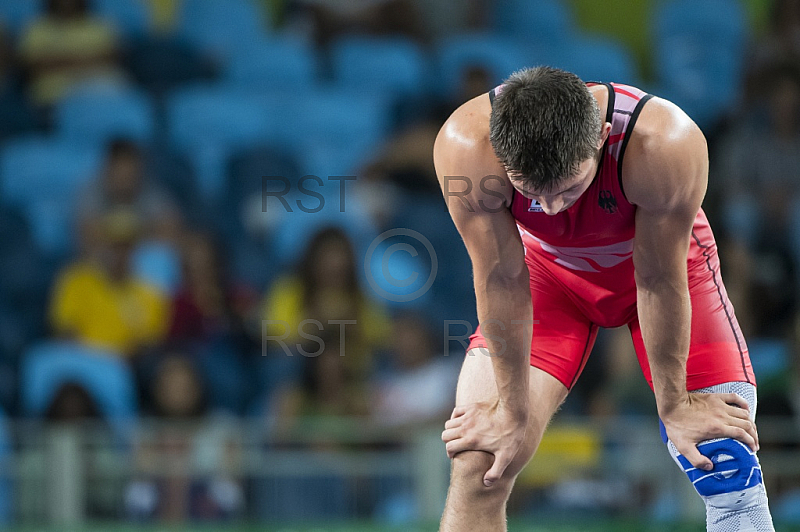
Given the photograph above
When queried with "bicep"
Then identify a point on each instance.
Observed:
(481, 215)
(668, 173)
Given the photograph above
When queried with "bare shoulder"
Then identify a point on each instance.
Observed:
(666, 160)
(465, 160)
(467, 128)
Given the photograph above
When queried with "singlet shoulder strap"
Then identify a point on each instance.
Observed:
(611, 101)
(627, 137)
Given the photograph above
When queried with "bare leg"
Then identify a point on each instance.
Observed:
(471, 506)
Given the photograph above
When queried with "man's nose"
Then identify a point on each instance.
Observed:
(551, 206)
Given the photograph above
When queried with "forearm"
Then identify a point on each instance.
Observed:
(506, 318)
(665, 319)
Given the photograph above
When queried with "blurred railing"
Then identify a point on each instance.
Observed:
(352, 468)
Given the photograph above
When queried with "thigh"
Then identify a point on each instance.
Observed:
(717, 350)
(563, 336)
(476, 383)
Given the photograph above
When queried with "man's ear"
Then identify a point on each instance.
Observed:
(604, 135)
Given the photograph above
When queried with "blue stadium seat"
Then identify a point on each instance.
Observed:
(594, 59)
(52, 219)
(716, 20)
(500, 56)
(297, 228)
(43, 176)
(159, 265)
(17, 14)
(396, 65)
(245, 186)
(274, 64)
(208, 123)
(95, 115)
(162, 63)
(330, 115)
(452, 289)
(47, 366)
(221, 26)
(252, 263)
(536, 21)
(246, 169)
(332, 158)
(32, 166)
(699, 48)
(174, 173)
(24, 273)
(133, 18)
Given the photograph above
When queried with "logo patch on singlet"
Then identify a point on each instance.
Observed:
(607, 201)
(535, 206)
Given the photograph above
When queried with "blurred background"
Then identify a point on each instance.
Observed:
(204, 321)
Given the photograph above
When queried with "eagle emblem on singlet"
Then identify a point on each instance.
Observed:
(607, 201)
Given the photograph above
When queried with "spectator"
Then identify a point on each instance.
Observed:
(177, 389)
(405, 160)
(329, 386)
(781, 45)
(332, 18)
(72, 403)
(422, 386)
(326, 291)
(206, 308)
(123, 184)
(99, 302)
(757, 181)
(66, 47)
(756, 163)
(201, 486)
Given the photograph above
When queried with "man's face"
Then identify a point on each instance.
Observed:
(565, 194)
(123, 178)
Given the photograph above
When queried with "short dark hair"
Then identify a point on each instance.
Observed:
(544, 124)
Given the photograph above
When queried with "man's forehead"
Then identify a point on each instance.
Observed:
(561, 185)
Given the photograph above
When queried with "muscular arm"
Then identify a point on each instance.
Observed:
(673, 164)
(463, 158)
(666, 169)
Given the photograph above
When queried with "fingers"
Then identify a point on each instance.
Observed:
(459, 445)
(735, 411)
(696, 458)
(459, 411)
(736, 400)
(501, 461)
(454, 422)
(451, 434)
(745, 432)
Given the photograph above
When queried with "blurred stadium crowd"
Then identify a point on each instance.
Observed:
(152, 212)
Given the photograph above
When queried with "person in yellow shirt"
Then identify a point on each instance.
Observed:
(99, 302)
(68, 46)
(325, 290)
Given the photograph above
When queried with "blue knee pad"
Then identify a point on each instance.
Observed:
(736, 468)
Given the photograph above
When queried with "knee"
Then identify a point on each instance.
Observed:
(736, 470)
(467, 474)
